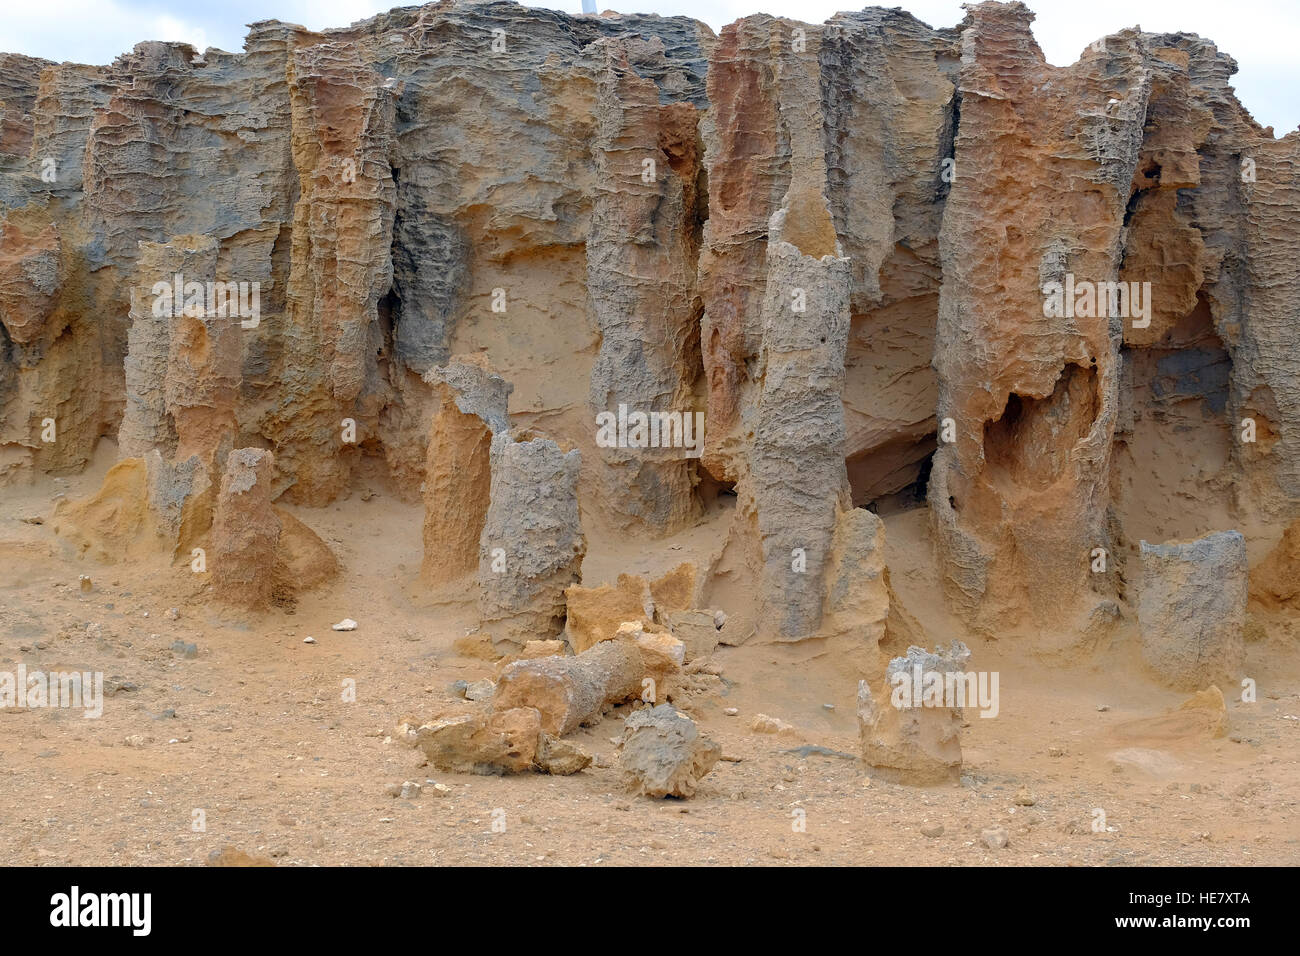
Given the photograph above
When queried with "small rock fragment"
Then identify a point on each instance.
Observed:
(995, 838)
(763, 724)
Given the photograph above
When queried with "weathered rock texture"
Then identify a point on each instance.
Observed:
(662, 753)
(833, 239)
(914, 737)
(245, 531)
(472, 407)
(1192, 609)
(531, 546)
(571, 690)
(497, 742)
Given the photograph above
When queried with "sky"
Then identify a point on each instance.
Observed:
(1261, 35)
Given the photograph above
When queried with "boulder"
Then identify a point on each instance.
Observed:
(662, 753)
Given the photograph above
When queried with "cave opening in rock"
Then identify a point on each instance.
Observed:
(893, 475)
(906, 488)
(1030, 443)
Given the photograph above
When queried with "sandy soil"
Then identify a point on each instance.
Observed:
(285, 769)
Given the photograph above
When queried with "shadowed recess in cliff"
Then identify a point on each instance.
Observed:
(1030, 444)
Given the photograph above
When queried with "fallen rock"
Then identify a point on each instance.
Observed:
(662, 653)
(678, 590)
(559, 757)
(494, 743)
(302, 559)
(995, 838)
(569, 691)
(1192, 609)
(1203, 716)
(480, 690)
(763, 724)
(662, 753)
(407, 790)
(483, 743)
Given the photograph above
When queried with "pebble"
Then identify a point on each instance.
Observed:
(731, 711)
(457, 688)
(1025, 797)
(188, 651)
(932, 829)
(309, 640)
(86, 585)
(480, 690)
(172, 613)
(347, 624)
(995, 838)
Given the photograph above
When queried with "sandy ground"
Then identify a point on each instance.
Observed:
(255, 732)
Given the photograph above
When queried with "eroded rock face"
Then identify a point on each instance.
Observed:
(838, 241)
(1019, 497)
(641, 260)
(1275, 581)
(1192, 609)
